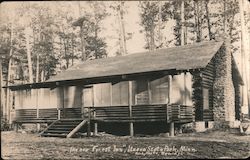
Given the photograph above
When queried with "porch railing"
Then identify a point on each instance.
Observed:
(46, 114)
(140, 113)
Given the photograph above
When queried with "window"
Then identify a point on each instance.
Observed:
(87, 97)
(153, 91)
(102, 94)
(120, 93)
(159, 90)
(205, 98)
(142, 96)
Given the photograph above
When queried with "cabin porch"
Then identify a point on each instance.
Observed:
(164, 113)
(142, 100)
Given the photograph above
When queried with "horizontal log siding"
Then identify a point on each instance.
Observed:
(139, 113)
(182, 113)
(207, 115)
(208, 75)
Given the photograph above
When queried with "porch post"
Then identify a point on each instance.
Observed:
(131, 124)
(88, 124)
(58, 114)
(94, 113)
(171, 125)
(89, 113)
(63, 110)
(169, 88)
(58, 107)
(171, 129)
(37, 110)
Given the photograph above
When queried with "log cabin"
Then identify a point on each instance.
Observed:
(184, 84)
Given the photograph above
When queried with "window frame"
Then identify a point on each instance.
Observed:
(205, 98)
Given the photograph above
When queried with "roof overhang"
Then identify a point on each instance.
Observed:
(96, 80)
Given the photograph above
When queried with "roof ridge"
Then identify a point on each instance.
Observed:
(146, 52)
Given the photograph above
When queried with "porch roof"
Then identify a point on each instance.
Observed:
(188, 57)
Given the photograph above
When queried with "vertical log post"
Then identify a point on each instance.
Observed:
(88, 124)
(95, 126)
(37, 111)
(94, 113)
(63, 110)
(89, 113)
(171, 129)
(58, 114)
(16, 127)
(131, 124)
(82, 107)
(171, 126)
(58, 108)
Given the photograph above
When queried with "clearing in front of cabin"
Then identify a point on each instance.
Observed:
(210, 144)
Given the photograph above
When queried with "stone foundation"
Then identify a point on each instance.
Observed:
(210, 124)
(199, 126)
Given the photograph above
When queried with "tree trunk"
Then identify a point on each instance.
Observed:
(42, 75)
(37, 57)
(83, 42)
(231, 23)
(225, 17)
(160, 24)
(27, 32)
(247, 9)
(152, 36)
(72, 54)
(152, 39)
(65, 43)
(182, 23)
(122, 34)
(96, 35)
(1, 90)
(197, 21)
(7, 107)
(37, 68)
(208, 21)
(244, 97)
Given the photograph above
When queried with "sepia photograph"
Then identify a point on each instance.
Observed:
(164, 79)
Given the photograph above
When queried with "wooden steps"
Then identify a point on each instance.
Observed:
(62, 128)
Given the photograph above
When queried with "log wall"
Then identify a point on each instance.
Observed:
(182, 113)
(208, 76)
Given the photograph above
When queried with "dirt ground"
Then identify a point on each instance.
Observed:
(216, 144)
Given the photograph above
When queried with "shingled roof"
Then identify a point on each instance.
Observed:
(181, 58)
(177, 58)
